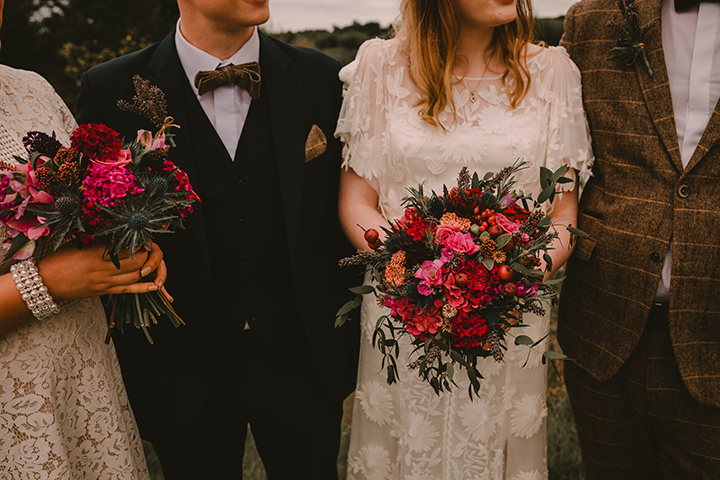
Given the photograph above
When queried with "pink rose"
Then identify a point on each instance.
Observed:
(430, 274)
(461, 243)
(444, 231)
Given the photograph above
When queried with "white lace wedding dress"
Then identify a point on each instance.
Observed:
(405, 431)
(64, 413)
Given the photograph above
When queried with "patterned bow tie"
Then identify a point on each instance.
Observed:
(681, 5)
(245, 76)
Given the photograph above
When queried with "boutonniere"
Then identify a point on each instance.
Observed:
(631, 41)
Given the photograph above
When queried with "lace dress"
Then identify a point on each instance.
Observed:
(64, 413)
(405, 431)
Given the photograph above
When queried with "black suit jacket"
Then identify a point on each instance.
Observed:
(170, 379)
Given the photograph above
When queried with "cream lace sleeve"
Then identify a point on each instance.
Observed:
(32, 104)
(568, 133)
(362, 122)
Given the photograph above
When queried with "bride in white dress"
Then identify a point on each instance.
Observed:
(64, 413)
(460, 85)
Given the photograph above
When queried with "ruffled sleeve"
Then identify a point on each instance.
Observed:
(568, 134)
(362, 122)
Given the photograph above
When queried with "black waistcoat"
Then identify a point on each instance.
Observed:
(242, 207)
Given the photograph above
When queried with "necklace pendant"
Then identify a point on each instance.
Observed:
(472, 97)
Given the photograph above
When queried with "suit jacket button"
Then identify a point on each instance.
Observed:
(684, 191)
(237, 179)
(655, 257)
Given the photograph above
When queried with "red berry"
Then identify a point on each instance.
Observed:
(495, 231)
(461, 280)
(505, 272)
(371, 236)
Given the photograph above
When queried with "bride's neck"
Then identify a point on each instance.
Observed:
(473, 52)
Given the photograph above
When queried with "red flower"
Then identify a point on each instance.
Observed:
(96, 141)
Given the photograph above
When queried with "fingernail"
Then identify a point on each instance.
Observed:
(160, 285)
(145, 271)
(152, 288)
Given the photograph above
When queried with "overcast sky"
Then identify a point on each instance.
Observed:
(294, 15)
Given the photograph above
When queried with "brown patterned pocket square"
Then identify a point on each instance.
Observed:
(316, 144)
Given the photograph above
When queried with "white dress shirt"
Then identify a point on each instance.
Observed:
(691, 44)
(226, 107)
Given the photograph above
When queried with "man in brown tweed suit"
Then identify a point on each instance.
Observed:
(645, 384)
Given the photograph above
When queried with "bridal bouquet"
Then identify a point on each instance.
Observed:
(99, 190)
(458, 271)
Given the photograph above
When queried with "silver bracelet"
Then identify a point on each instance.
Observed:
(32, 289)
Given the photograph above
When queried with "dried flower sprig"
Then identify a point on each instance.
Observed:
(149, 102)
(631, 43)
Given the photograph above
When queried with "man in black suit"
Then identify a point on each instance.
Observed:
(255, 273)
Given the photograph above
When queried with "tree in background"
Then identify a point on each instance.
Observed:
(60, 39)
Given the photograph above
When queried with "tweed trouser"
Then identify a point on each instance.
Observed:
(643, 423)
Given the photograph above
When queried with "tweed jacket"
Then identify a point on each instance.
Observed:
(639, 200)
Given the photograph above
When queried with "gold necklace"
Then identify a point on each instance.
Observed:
(473, 93)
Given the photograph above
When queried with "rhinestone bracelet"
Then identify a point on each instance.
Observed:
(32, 289)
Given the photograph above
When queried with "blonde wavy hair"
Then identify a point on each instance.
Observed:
(429, 35)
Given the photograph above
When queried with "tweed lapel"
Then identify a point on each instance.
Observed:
(169, 76)
(282, 89)
(656, 89)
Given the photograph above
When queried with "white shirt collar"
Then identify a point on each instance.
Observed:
(194, 60)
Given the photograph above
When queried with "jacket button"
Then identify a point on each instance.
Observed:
(239, 217)
(237, 179)
(655, 257)
(684, 191)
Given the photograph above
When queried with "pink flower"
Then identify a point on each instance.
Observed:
(145, 138)
(461, 243)
(430, 274)
(444, 231)
(508, 225)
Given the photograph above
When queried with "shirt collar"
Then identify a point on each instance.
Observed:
(194, 60)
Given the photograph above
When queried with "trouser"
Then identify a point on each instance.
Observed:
(643, 423)
(295, 426)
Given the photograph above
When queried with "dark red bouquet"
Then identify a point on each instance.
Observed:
(99, 190)
(458, 271)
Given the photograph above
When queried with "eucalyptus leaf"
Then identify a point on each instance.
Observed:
(547, 193)
(488, 263)
(345, 309)
(503, 240)
(523, 340)
(577, 232)
(555, 355)
(362, 289)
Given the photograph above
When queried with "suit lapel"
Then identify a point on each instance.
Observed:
(282, 89)
(169, 76)
(656, 89)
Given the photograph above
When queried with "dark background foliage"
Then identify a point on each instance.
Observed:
(60, 39)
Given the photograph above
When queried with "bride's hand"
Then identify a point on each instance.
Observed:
(71, 274)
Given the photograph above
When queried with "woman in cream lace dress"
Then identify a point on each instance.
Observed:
(416, 111)
(64, 413)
